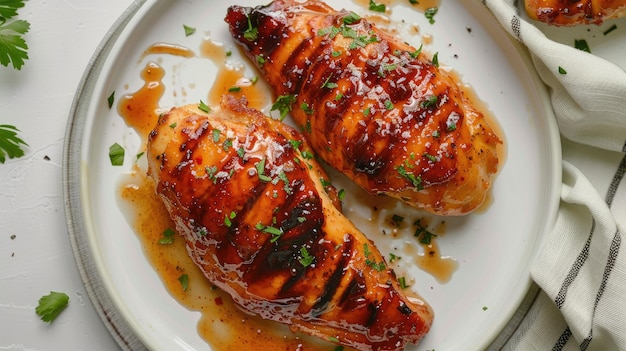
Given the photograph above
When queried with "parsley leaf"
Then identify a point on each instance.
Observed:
(188, 30)
(50, 306)
(377, 7)
(10, 142)
(116, 154)
(13, 48)
(284, 105)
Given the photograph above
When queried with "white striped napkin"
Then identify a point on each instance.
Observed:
(581, 268)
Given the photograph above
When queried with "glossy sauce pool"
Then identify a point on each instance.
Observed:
(222, 324)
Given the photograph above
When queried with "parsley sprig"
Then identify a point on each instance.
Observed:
(13, 47)
(50, 306)
(10, 143)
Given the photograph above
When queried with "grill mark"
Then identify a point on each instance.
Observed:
(333, 282)
(373, 308)
(297, 60)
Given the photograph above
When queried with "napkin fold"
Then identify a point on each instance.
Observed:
(581, 266)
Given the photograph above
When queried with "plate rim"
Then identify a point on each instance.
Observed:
(106, 306)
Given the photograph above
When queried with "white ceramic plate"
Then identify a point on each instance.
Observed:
(493, 248)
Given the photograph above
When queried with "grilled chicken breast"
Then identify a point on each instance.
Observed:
(262, 222)
(575, 12)
(371, 106)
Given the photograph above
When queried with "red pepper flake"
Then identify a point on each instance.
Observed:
(219, 301)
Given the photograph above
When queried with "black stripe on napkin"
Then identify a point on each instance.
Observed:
(582, 257)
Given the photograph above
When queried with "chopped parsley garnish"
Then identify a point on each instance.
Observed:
(211, 171)
(336, 53)
(378, 266)
(436, 134)
(184, 281)
(228, 143)
(306, 108)
(228, 219)
(116, 154)
(424, 236)
(562, 70)
(241, 152)
(351, 18)
(260, 60)
(305, 258)
(111, 99)
(430, 157)
(430, 14)
(416, 53)
(283, 104)
(367, 111)
(341, 194)
(430, 101)
(216, 135)
(188, 30)
(414, 2)
(396, 220)
(13, 47)
(204, 107)
(415, 180)
(402, 283)
(173, 125)
(295, 144)
(389, 105)
(377, 7)
(234, 89)
(581, 44)
(50, 306)
(251, 33)
(328, 84)
(10, 143)
(260, 169)
(167, 237)
(275, 232)
(435, 59)
(393, 257)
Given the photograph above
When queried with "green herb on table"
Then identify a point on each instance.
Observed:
(116, 154)
(13, 47)
(10, 143)
(50, 306)
(188, 30)
(581, 44)
(562, 70)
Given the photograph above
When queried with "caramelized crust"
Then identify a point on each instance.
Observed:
(261, 224)
(573, 12)
(372, 106)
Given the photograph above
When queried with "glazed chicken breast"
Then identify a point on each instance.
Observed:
(262, 222)
(370, 105)
(575, 12)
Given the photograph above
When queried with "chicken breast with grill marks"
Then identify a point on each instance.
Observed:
(370, 105)
(260, 220)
